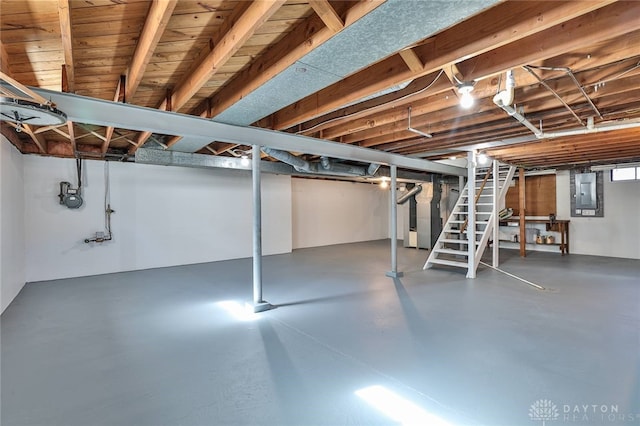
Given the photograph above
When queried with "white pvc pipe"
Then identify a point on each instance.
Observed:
(504, 99)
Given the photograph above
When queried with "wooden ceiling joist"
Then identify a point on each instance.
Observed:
(4, 60)
(232, 39)
(328, 14)
(205, 58)
(412, 60)
(40, 142)
(606, 23)
(233, 34)
(304, 38)
(508, 22)
(67, 43)
(160, 12)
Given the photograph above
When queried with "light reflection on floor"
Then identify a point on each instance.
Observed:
(397, 408)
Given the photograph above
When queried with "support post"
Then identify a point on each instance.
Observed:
(393, 221)
(259, 304)
(461, 189)
(522, 214)
(471, 228)
(495, 213)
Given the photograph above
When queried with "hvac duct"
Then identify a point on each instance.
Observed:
(405, 197)
(324, 167)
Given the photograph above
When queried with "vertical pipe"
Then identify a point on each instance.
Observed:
(471, 228)
(257, 226)
(393, 219)
(494, 212)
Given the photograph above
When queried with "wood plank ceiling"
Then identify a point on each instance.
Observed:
(576, 65)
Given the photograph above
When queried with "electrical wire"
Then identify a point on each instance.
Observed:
(79, 172)
(408, 95)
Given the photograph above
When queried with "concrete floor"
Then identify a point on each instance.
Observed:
(156, 348)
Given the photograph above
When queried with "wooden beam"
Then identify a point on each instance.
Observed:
(64, 16)
(174, 140)
(234, 34)
(603, 24)
(253, 17)
(118, 97)
(24, 89)
(522, 213)
(411, 59)
(37, 139)
(307, 36)
(160, 12)
(72, 136)
(509, 21)
(4, 60)
(328, 14)
(140, 140)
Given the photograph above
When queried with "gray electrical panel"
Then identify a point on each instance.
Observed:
(586, 195)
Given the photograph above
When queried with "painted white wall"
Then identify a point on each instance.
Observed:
(12, 236)
(617, 234)
(330, 212)
(165, 216)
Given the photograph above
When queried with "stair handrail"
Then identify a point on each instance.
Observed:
(477, 197)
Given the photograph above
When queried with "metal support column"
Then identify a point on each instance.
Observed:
(393, 219)
(259, 304)
(460, 191)
(495, 211)
(471, 228)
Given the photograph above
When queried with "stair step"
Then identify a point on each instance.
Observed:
(457, 231)
(449, 263)
(452, 241)
(451, 251)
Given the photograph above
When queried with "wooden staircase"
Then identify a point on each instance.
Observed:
(452, 247)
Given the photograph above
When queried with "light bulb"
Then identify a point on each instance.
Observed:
(244, 160)
(384, 184)
(483, 159)
(466, 100)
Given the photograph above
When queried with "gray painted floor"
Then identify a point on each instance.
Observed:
(155, 347)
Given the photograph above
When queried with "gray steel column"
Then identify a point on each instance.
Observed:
(259, 305)
(496, 210)
(393, 220)
(461, 184)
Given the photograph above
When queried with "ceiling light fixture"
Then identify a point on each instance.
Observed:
(384, 184)
(244, 159)
(466, 100)
(483, 159)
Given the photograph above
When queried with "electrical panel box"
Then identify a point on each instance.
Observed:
(586, 195)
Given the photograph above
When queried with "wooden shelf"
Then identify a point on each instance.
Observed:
(561, 226)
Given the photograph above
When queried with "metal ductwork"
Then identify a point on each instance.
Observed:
(324, 167)
(406, 197)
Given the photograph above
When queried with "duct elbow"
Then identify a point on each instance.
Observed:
(325, 162)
